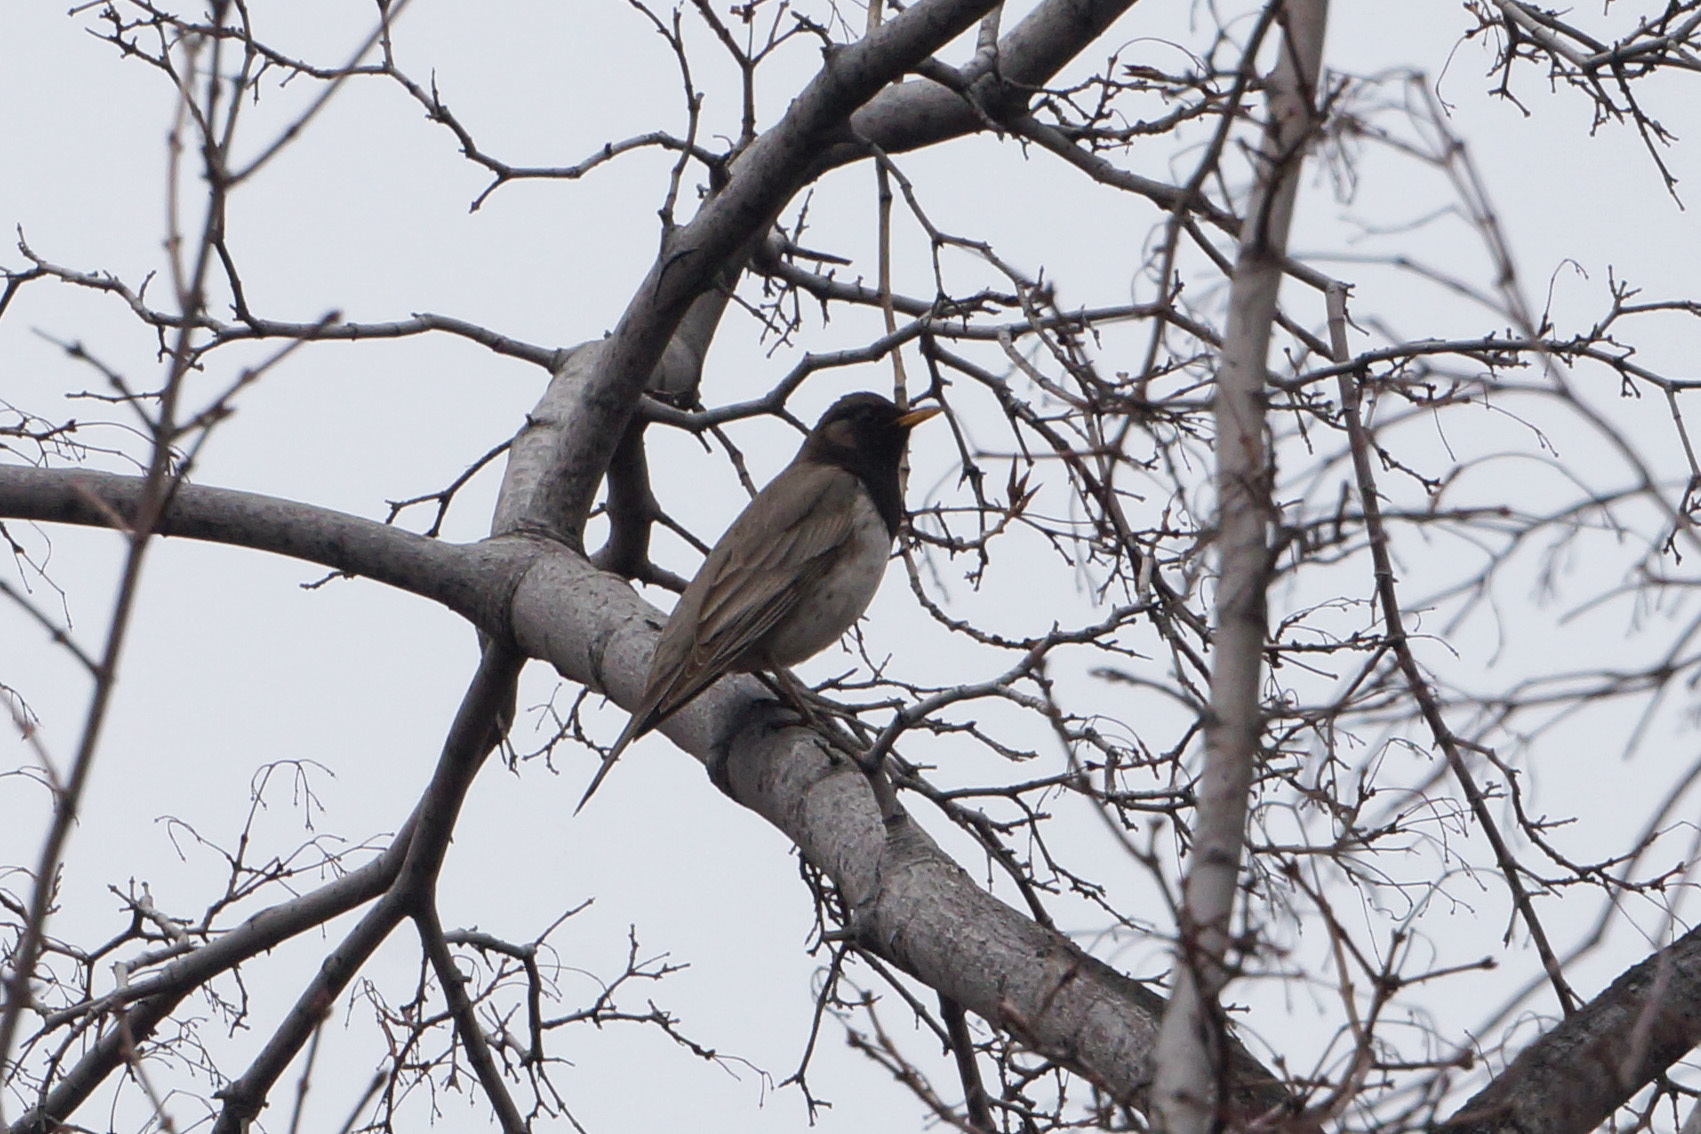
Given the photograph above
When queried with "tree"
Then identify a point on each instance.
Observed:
(1270, 622)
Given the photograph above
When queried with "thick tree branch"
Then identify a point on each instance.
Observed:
(473, 581)
(1574, 1077)
(922, 112)
(914, 904)
(576, 428)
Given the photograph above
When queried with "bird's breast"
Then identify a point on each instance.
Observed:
(839, 595)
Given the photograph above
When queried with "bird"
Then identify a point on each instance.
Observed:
(793, 572)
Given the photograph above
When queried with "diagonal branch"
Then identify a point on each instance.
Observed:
(477, 729)
(154, 998)
(574, 430)
(913, 904)
(1574, 1077)
(922, 112)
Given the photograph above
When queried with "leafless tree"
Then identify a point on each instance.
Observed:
(1321, 608)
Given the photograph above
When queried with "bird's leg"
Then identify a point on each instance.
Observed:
(792, 694)
(803, 700)
(789, 694)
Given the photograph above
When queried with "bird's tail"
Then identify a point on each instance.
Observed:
(634, 728)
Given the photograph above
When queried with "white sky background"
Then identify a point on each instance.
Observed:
(232, 665)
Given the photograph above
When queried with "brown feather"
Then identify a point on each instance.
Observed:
(792, 571)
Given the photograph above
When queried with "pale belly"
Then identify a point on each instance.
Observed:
(839, 598)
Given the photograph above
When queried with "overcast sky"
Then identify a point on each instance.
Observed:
(232, 664)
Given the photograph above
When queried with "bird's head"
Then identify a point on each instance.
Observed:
(864, 429)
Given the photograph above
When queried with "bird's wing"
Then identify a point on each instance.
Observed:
(791, 533)
(784, 540)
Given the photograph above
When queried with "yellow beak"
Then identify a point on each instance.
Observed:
(917, 416)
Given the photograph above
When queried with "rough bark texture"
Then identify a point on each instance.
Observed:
(1576, 1075)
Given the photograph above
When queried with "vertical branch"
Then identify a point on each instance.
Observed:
(159, 483)
(449, 978)
(968, 1071)
(1190, 1058)
(883, 197)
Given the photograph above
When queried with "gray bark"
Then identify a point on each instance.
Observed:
(1573, 1078)
(913, 905)
(1191, 1064)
